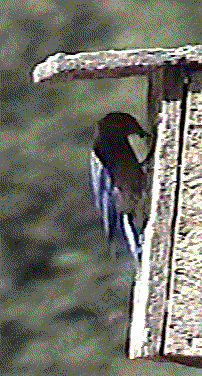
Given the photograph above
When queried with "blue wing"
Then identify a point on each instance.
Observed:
(102, 185)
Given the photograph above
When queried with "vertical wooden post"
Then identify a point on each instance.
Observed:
(167, 316)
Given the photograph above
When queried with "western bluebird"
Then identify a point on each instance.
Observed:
(118, 175)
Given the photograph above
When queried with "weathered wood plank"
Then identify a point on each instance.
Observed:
(115, 64)
(167, 316)
(184, 326)
(150, 291)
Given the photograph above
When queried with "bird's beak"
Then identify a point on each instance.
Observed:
(140, 146)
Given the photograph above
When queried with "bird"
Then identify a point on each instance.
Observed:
(118, 171)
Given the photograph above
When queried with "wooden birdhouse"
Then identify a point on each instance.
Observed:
(167, 298)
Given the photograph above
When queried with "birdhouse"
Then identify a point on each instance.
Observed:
(166, 318)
